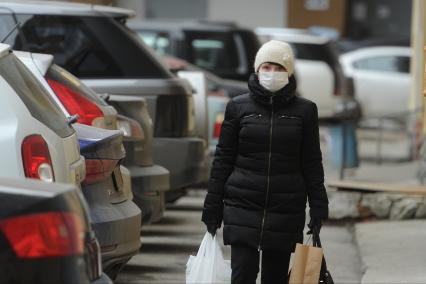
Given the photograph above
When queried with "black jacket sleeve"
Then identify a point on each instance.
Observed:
(223, 165)
(312, 168)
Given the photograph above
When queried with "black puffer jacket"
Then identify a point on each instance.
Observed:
(267, 163)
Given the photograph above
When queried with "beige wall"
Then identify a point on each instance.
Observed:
(249, 13)
(300, 17)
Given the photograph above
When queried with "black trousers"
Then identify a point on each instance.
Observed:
(245, 265)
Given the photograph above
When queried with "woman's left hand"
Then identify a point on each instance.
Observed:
(314, 223)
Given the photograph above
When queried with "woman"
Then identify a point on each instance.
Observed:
(266, 165)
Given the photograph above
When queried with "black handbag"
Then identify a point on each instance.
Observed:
(325, 276)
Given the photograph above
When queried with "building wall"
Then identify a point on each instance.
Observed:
(307, 13)
(137, 5)
(249, 13)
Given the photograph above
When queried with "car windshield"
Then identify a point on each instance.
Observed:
(34, 96)
(87, 46)
(214, 51)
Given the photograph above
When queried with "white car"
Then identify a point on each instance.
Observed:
(317, 69)
(36, 139)
(381, 78)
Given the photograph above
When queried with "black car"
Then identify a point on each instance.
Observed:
(224, 49)
(43, 230)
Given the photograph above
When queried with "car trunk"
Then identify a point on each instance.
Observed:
(170, 103)
(103, 150)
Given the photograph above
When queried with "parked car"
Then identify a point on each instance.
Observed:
(38, 141)
(217, 97)
(109, 197)
(149, 181)
(43, 228)
(93, 43)
(224, 49)
(319, 75)
(381, 79)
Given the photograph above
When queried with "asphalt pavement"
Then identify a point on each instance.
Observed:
(167, 245)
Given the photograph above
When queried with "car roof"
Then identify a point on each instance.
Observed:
(291, 35)
(213, 26)
(4, 49)
(63, 8)
(377, 51)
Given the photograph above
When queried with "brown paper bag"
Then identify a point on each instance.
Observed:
(307, 265)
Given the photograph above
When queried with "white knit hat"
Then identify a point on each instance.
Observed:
(275, 51)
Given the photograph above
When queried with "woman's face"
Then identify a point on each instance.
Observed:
(271, 67)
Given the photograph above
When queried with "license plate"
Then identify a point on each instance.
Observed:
(118, 178)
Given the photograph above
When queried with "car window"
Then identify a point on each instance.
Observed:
(158, 41)
(384, 63)
(88, 46)
(34, 96)
(213, 51)
(67, 79)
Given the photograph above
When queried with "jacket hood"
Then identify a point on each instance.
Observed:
(263, 96)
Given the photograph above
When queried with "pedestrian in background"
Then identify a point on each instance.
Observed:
(267, 164)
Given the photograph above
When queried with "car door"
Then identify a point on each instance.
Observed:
(382, 84)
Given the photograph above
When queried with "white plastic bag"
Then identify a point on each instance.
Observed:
(208, 266)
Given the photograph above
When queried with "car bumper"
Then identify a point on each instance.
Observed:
(148, 186)
(109, 224)
(185, 158)
(344, 109)
(109, 221)
(104, 279)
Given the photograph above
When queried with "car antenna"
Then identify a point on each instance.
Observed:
(10, 32)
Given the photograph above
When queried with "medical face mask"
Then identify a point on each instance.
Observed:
(273, 81)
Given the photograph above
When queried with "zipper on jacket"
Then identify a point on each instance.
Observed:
(289, 117)
(269, 169)
(252, 115)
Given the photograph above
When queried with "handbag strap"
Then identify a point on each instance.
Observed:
(317, 243)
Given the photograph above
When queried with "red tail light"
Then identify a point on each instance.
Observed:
(76, 103)
(97, 170)
(217, 125)
(50, 234)
(36, 159)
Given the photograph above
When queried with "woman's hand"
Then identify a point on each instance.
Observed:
(212, 228)
(316, 224)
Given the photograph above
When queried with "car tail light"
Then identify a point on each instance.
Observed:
(75, 103)
(130, 127)
(218, 125)
(50, 234)
(36, 159)
(98, 170)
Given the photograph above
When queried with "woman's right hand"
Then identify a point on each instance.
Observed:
(212, 228)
